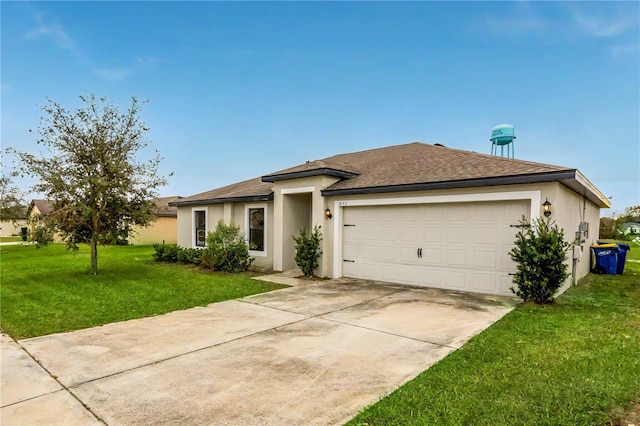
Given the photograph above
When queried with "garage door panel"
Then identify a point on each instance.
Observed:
(433, 235)
(506, 282)
(454, 279)
(434, 212)
(486, 236)
(464, 246)
(456, 257)
(432, 256)
(389, 233)
(431, 277)
(456, 213)
(407, 233)
(457, 235)
(485, 283)
(485, 259)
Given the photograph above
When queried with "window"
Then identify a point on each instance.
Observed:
(200, 227)
(256, 229)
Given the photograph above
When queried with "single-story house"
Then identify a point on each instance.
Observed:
(165, 228)
(630, 228)
(13, 221)
(417, 214)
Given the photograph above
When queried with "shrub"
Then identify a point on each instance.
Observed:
(227, 249)
(540, 252)
(192, 256)
(166, 252)
(41, 235)
(308, 250)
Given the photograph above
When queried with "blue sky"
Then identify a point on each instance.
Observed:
(240, 89)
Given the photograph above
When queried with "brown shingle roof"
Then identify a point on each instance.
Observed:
(321, 167)
(417, 162)
(164, 209)
(248, 189)
(44, 206)
(394, 166)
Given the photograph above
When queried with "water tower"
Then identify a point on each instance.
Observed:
(503, 136)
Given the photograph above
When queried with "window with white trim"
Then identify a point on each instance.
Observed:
(200, 228)
(256, 229)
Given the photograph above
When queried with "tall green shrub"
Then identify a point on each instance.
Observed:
(540, 252)
(227, 249)
(308, 250)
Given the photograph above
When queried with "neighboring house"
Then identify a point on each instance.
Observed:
(416, 214)
(11, 225)
(165, 228)
(37, 210)
(630, 228)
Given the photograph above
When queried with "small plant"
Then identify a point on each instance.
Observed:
(41, 235)
(540, 252)
(308, 250)
(166, 252)
(227, 249)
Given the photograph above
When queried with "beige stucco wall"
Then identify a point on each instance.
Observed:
(230, 213)
(310, 185)
(162, 231)
(568, 210)
(290, 209)
(11, 227)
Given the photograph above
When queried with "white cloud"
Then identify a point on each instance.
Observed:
(595, 21)
(53, 31)
(521, 20)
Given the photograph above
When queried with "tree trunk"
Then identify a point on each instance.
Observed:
(94, 254)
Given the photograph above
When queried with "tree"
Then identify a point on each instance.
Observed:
(92, 175)
(11, 200)
(631, 214)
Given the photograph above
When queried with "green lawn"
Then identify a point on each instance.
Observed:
(10, 239)
(573, 363)
(48, 290)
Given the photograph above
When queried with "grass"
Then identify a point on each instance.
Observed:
(49, 290)
(576, 362)
(11, 239)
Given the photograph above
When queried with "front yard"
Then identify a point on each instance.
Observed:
(48, 290)
(576, 362)
(573, 363)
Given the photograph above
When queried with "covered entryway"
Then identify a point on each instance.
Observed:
(459, 246)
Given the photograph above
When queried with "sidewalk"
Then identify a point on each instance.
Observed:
(31, 396)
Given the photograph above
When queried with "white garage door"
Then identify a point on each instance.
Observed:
(458, 246)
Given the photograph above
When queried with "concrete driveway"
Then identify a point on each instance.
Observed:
(313, 354)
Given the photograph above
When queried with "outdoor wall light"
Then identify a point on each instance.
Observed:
(547, 207)
(327, 213)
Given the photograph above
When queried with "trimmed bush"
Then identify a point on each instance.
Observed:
(227, 249)
(172, 253)
(308, 250)
(192, 256)
(540, 252)
(166, 252)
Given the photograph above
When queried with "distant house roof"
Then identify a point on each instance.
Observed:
(44, 206)
(628, 225)
(164, 209)
(408, 167)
